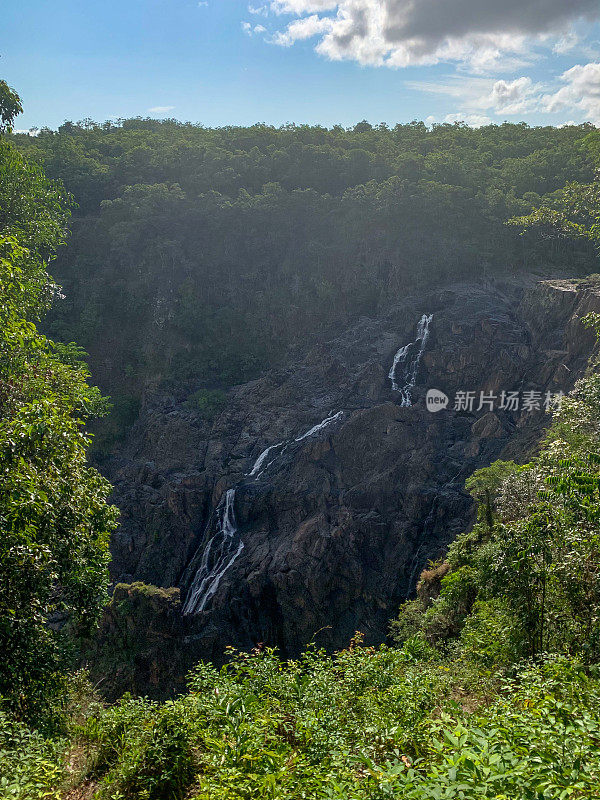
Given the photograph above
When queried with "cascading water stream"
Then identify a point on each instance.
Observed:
(411, 365)
(219, 554)
(225, 545)
(319, 427)
(399, 358)
(256, 470)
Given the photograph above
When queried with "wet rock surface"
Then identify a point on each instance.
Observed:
(337, 525)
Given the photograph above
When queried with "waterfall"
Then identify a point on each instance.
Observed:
(225, 545)
(399, 358)
(319, 427)
(256, 470)
(411, 365)
(219, 554)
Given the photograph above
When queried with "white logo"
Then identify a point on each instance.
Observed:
(436, 400)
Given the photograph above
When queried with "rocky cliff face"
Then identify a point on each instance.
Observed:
(327, 534)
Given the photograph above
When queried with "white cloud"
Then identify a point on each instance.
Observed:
(566, 43)
(483, 34)
(576, 92)
(474, 120)
(473, 92)
(303, 6)
(514, 97)
(251, 29)
(580, 92)
(160, 109)
(301, 29)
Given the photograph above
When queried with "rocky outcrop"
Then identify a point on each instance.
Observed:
(337, 525)
(136, 648)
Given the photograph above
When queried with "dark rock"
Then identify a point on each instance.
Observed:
(337, 529)
(137, 648)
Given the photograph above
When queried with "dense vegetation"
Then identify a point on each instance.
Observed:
(224, 245)
(54, 519)
(199, 255)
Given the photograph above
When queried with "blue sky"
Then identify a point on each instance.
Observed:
(317, 61)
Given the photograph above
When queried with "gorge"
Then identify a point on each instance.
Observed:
(275, 535)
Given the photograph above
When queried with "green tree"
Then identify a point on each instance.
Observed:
(484, 485)
(10, 107)
(570, 213)
(54, 517)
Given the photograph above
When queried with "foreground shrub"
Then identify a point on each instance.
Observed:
(364, 724)
(31, 768)
(262, 726)
(144, 750)
(538, 740)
